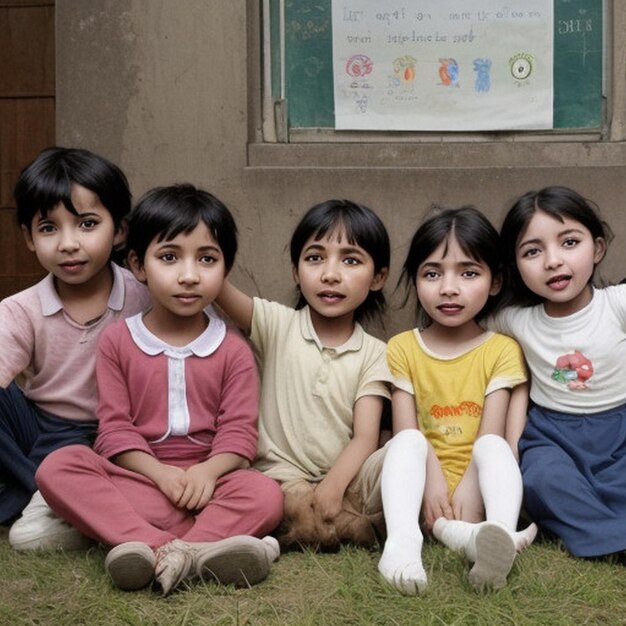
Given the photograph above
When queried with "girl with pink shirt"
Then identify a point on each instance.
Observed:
(168, 483)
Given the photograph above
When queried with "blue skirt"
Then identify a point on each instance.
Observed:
(574, 473)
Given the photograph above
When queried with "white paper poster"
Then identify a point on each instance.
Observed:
(444, 65)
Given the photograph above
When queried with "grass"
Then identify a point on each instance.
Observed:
(546, 586)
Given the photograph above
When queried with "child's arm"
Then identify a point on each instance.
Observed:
(202, 477)
(328, 495)
(237, 305)
(495, 408)
(516, 417)
(436, 500)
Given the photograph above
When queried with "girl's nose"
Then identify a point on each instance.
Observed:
(449, 286)
(68, 241)
(552, 258)
(331, 273)
(188, 274)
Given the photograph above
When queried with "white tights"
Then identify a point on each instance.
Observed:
(490, 545)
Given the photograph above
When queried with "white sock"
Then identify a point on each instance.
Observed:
(402, 486)
(488, 545)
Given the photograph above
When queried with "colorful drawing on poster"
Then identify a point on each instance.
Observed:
(521, 65)
(404, 69)
(359, 66)
(449, 72)
(482, 68)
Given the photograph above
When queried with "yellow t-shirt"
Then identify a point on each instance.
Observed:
(449, 391)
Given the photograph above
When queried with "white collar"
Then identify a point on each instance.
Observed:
(204, 345)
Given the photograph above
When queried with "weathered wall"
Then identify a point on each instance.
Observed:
(169, 90)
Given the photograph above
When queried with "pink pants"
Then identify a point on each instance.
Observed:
(114, 505)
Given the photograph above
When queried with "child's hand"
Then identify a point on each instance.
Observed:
(199, 488)
(171, 481)
(436, 502)
(327, 500)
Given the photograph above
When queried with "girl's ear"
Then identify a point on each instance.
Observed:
(294, 272)
(378, 282)
(28, 237)
(599, 249)
(496, 285)
(136, 266)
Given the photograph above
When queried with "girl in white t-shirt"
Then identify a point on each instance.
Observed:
(573, 446)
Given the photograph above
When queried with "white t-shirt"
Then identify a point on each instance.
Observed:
(577, 362)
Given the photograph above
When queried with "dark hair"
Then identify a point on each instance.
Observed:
(475, 235)
(49, 178)
(362, 227)
(557, 202)
(165, 212)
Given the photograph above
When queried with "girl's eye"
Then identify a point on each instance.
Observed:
(351, 261)
(530, 252)
(470, 274)
(570, 243)
(168, 257)
(88, 224)
(208, 260)
(312, 258)
(431, 275)
(45, 228)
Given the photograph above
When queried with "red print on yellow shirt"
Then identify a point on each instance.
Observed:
(467, 407)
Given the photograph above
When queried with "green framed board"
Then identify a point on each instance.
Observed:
(308, 89)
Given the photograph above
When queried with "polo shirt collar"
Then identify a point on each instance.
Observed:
(204, 345)
(353, 344)
(51, 302)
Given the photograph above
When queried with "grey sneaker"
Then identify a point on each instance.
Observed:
(40, 528)
(242, 561)
(131, 565)
(174, 561)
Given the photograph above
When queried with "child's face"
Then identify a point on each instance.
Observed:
(336, 276)
(452, 287)
(184, 275)
(74, 248)
(556, 261)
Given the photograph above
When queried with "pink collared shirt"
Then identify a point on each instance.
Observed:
(55, 354)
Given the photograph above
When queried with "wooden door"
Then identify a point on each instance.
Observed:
(27, 122)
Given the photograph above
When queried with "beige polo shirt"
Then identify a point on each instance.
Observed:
(308, 391)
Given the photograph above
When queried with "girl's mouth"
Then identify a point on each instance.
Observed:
(330, 296)
(559, 283)
(450, 308)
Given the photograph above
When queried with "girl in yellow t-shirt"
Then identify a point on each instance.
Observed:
(454, 385)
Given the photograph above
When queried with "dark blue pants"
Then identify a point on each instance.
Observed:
(27, 435)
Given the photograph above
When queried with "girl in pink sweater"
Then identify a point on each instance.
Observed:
(168, 483)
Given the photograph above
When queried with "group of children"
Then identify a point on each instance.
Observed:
(132, 414)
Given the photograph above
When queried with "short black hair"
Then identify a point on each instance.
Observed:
(557, 202)
(362, 227)
(475, 235)
(164, 212)
(49, 178)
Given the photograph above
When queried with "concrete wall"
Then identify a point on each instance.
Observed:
(170, 90)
